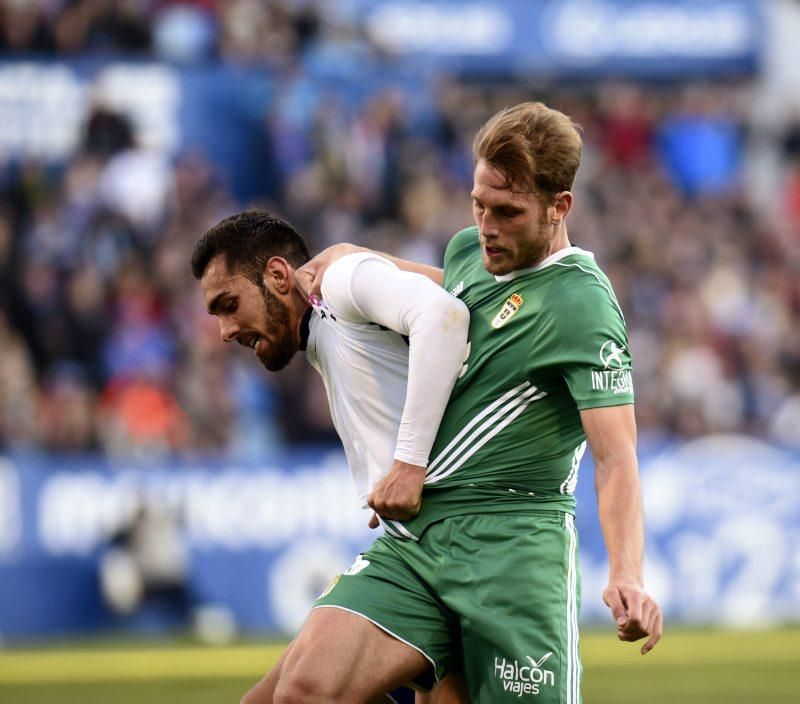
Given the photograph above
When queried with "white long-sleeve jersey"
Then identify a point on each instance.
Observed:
(389, 346)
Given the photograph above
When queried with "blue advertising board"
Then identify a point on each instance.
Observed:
(722, 519)
(222, 110)
(573, 38)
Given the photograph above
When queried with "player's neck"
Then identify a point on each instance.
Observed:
(298, 305)
(560, 241)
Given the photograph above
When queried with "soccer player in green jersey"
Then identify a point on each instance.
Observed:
(482, 574)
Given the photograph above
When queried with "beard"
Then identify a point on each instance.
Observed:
(527, 253)
(532, 253)
(281, 342)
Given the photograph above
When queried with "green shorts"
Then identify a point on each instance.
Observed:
(494, 595)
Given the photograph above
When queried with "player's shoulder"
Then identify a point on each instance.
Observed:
(337, 283)
(339, 275)
(463, 240)
(580, 286)
(576, 270)
(346, 265)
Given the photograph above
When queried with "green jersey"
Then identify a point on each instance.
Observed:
(544, 343)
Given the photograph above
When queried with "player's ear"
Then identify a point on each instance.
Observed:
(278, 275)
(562, 204)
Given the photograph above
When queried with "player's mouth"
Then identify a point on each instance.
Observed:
(492, 251)
(258, 346)
(251, 341)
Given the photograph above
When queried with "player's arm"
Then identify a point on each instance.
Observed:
(587, 330)
(309, 276)
(611, 432)
(436, 324)
(434, 273)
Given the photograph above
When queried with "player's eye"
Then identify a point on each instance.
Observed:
(230, 306)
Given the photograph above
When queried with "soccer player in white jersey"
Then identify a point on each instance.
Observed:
(389, 345)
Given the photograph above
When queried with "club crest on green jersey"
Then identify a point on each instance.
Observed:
(510, 307)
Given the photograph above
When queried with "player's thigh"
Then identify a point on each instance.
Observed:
(391, 585)
(341, 656)
(519, 608)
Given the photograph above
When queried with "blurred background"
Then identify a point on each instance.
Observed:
(155, 481)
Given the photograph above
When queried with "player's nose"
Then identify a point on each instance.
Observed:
(488, 227)
(489, 235)
(228, 330)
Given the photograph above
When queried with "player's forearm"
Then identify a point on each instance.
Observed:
(434, 273)
(619, 502)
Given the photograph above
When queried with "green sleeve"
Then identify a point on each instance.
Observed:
(590, 342)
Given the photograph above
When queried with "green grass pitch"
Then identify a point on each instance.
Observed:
(687, 667)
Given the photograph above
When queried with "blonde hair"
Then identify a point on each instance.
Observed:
(536, 148)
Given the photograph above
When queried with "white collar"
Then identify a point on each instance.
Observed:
(556, 256)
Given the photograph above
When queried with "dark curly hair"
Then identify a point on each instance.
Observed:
(248, 240)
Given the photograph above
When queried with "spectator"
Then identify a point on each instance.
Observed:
(104, 342)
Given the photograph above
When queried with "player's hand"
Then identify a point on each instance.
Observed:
(636, 613)
(309, 276)
(398, 495)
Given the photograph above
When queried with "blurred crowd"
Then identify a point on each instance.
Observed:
(104, 341)
(271, 32)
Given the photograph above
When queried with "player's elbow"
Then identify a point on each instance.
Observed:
(454, 318)
(443, 321)
(617, 478)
